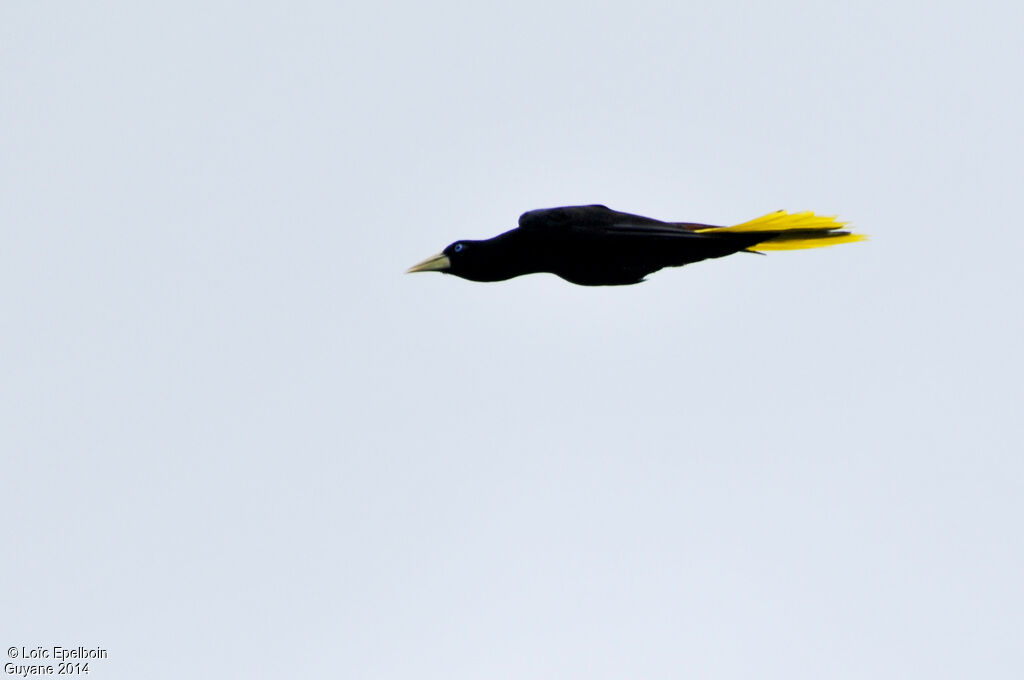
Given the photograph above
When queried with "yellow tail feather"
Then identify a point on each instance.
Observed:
(810, 231)
(802, 243)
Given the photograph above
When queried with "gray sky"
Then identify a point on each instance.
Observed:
(237, 440)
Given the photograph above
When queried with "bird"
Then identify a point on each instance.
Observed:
(593, 245)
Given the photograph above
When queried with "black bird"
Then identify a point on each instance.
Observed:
(593, 245)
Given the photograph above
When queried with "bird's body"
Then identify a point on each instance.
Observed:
(592, 245)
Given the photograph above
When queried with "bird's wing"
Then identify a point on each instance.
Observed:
(599, 220)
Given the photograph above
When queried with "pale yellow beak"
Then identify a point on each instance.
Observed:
(436, 263)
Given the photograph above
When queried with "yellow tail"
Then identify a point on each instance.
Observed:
(793, 231)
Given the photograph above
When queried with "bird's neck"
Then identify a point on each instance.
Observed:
(504, 257)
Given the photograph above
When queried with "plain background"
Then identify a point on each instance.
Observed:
(238, 441)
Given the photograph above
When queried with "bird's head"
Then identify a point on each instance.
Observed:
(465, 259)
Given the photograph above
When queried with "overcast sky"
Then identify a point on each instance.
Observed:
(238, 441)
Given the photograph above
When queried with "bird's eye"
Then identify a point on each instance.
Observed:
(458, 247)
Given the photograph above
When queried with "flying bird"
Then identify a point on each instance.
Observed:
(593, 245)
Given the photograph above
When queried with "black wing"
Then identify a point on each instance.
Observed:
(600, 220)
